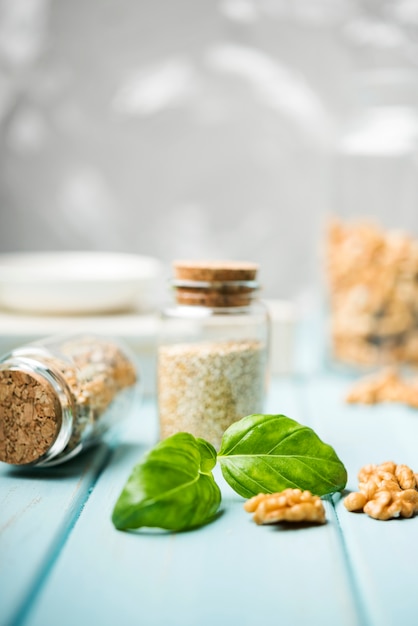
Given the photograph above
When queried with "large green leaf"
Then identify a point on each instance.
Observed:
(268, 453)
(172, 488)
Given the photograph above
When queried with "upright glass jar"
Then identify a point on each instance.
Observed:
(371, 244)
(60, 395)
(213, 350)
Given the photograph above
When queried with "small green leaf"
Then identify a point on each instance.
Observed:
(268, 453)
(172, 488)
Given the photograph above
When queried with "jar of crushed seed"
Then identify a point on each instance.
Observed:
(212, 357)
(60, 395)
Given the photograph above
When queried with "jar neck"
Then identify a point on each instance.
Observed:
(51, 383)
(215, 294)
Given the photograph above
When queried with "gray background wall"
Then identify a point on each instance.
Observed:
(204, 128)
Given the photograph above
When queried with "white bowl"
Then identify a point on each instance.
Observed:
(77, 282)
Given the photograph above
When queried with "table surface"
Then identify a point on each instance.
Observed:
(63, 562)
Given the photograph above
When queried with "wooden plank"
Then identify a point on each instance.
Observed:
(382, 556)
(230, 571)
(37, 511)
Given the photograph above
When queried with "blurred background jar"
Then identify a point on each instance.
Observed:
(213, 350)
(372, 263)
(61, 395)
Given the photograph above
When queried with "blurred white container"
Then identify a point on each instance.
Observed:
(78, 282)
(282, 315)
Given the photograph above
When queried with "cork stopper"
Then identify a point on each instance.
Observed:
(30, 417)
(215, 270)
(215, 283)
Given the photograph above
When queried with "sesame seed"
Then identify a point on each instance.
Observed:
(204, 387)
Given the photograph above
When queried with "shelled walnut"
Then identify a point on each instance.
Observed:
(386, 491)
(290, 505)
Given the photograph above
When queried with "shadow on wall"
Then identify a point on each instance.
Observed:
(198, 129)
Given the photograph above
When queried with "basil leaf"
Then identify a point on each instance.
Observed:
(172, 488)
(268, 453)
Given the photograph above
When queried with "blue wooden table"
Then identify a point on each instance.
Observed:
(63, 563)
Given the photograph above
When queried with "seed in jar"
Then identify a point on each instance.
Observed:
(203, 388)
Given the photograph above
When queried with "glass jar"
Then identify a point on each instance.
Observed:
(373, 295)
(371, 241)
(213, 350)
(60, 395)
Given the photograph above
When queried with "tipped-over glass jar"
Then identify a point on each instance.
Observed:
(60, 395)
(213, 349)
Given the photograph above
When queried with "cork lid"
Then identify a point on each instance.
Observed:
(30, 417)
(215, 270)
(215, 283)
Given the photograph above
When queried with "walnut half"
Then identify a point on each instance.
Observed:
(290, 505)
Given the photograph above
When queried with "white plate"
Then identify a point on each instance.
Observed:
(77, 282)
